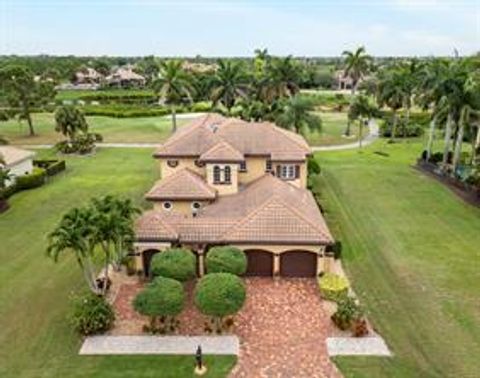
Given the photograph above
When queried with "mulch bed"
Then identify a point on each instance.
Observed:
(471, 197)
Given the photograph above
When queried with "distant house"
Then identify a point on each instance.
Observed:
(199, 67)
(125, 77)
(87, 76)
(342, 80)
(19, 162)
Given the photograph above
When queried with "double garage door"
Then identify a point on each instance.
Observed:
(292, 263)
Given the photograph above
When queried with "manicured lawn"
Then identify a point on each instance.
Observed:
(333, 127)
(127, 130)
(412, 250)
(35, 337)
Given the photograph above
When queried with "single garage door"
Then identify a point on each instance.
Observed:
(298, 264)
(260, 263)
(147, 258)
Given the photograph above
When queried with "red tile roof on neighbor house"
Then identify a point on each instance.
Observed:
(181, 185)
(268, 210)
(246, 138)
(13, 155)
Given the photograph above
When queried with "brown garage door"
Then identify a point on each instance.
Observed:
(147, 258)
(260, 263)
(298, 264)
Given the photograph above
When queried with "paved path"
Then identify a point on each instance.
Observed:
(214, 345)
(361, 346)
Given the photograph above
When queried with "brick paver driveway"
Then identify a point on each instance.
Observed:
(282, 329)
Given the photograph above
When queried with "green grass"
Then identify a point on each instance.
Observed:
(333, 127)
(35, 337)
(114, 130)
(78, 94)
(411, 248)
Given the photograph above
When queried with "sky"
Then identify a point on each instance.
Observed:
(236, 28)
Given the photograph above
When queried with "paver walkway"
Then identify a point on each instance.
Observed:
(283, 329)
(216, 345)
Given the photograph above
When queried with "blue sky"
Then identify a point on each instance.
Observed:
(236, 28)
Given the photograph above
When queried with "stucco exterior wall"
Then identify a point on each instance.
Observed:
(255, 168)
(166, 170)
(301, 182)
(182, 207)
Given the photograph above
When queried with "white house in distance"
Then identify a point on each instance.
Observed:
(18, 161)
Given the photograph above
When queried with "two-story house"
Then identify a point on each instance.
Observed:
(227, 181)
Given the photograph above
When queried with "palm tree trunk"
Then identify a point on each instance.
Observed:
(394, 126)
(431, 135)
(360, 133)
(349, 123)
(476, 146)
(458, 147)
(174, 119)
(448, 136)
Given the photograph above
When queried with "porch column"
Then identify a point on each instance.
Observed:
(276, 264)
(201, 262)
(321, 260)
(138, 259)
(329, 257)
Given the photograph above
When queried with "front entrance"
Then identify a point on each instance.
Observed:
(259, 263)
(147, 259)
(298, 264)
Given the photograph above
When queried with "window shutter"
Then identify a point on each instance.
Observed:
(279, 170)
(297, 171)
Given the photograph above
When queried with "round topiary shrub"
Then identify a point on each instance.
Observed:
(219, 295)
(162, 300)
(176, 263)
(333, 287)
(91, 314)
(226, 260)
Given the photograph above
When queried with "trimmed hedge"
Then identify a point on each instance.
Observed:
(176, 263)
(8, 191)
(226, 259)
(52, 167)
(32, 180)
(333, 287)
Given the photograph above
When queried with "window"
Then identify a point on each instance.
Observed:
(167, 206)
(227, 175)
(268, 166)
(172, 163)
(216, 175)
(196, 206)
(288, 171)
(243, 166)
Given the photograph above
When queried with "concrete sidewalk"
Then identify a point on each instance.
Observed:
(181, 345)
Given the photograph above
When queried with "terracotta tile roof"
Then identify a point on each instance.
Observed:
(183, 184)
(152, 226)
(248, 138)
(13, 155)
(267, 210)
(222, 152)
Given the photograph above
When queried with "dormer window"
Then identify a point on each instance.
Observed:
(222, 175)
(217, 175)
(288, 171)
(243, 166)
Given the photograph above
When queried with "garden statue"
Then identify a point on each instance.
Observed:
(200, 368)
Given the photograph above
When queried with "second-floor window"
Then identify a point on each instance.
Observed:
(222, 175)
(288, 171)
(243, 166)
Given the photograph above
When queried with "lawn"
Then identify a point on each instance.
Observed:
(333, 128)
(411, 248)
(114, 130)
(35, 337)
(70, 95)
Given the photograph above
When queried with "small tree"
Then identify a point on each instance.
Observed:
(219, 295)
(298, 115)
(91, 314)
(161, 301)
(69, 121)
(226, 259)
(176, 263)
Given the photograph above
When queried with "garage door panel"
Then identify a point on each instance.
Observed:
(298, 264)
(259, 263)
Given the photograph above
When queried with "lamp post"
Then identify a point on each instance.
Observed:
(200, 368)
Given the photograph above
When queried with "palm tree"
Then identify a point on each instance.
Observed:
(229, 83)
(74, 234)
(174, 85)
(297, 115)
(69, 120)
(281, 79)
(363, 111)
(390, 92)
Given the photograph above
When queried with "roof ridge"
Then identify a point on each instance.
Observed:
(286, 133)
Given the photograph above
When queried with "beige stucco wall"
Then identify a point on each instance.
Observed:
(182, 207)
(166, 171)
(224, 189)
(255, 168)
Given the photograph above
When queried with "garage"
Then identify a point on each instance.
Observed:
(298, 264)
(260, 263)
(147, 258)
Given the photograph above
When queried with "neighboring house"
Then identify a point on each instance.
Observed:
(19, 162)
(125, 77)
(342, 80)
(227, 181)
(200, 68)
(88, 76)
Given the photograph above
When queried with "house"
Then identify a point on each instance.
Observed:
(87, 75)
(19, 162)
(343, 80)
(125, 77)
(230, 182)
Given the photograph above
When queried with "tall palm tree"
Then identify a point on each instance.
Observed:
(297, 115)
(281, 79)
(363, 111)
(174, 85)
(357, 64)
(229, 83)
(74, 234)
(390, 93)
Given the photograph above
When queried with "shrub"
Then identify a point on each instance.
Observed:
(226, 260)
(336, 248)
(219, 295)
(333, 287)
(83, 144)
(52, 167)
(162, 300)
(202, 106)
(8, 191)
(347, 312)
(91, 314)
(32, 180)
(313, 167)
(408, 131)
(176, 263)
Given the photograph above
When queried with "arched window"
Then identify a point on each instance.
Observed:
(216, 175)
(227, 174)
